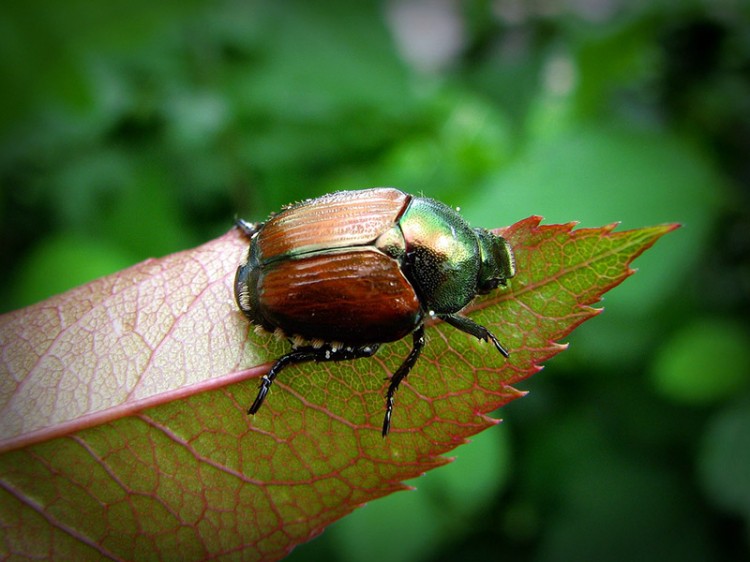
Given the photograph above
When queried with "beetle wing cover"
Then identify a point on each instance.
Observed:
(339, 220)
(356, 296)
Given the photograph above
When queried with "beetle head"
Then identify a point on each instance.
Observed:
(497, 261)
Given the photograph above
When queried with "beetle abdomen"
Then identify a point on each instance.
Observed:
(354, 296)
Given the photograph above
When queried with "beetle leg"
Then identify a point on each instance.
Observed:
(477, 330)
(305, 354)
(295, 356)
(400, 374)
(248, 228)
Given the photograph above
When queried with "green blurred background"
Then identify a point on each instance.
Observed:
(136, 129)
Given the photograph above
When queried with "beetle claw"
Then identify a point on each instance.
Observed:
(387, 417)
(505, 353)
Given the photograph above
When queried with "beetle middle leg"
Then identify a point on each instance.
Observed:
(400, 374)
(305, 354)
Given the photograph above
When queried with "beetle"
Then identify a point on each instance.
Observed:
(344, 273)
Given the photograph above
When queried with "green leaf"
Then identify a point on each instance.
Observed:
(122, 404)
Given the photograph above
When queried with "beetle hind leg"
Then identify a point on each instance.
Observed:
(400, 374)
(248, 228)
(304, 354)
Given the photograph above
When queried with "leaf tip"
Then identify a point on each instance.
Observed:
(607, 228)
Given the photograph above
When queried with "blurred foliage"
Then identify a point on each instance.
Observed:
(132, 129)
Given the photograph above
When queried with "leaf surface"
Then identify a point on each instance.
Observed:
(123, 403)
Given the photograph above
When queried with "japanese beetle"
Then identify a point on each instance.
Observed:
(341, 274)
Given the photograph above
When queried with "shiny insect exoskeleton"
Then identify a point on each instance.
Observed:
(341, 274)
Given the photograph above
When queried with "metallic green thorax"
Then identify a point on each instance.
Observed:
(448, 261)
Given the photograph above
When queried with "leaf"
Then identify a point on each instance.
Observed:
(122, 403)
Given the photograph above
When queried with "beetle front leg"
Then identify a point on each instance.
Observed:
(304, 355)
(477, 330)
(400, 374)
